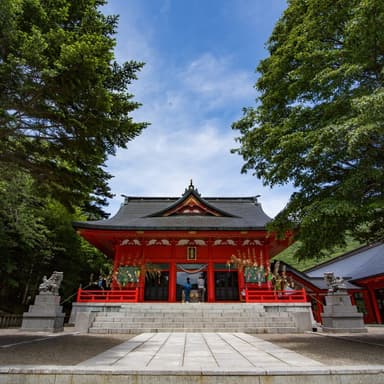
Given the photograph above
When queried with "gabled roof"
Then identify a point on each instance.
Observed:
(191, 203)
(367, 261)
(316, 282)
(190, 212)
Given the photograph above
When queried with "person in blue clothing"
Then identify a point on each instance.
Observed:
(187, 290)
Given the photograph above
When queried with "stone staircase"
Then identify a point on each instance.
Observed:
(199, 317)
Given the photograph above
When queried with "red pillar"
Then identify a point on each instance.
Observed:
(320, 308)
(375, 306)
(369, 316)
(172, 276)
(142, 275)
(241, 280)
(211, 282)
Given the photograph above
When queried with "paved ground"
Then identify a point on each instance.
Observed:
(199, 351)
(69, 348)
(336, 350)
(42, 348)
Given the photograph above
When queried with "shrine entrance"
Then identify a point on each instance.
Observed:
(193, 272)
(226, 285)
(156, 284)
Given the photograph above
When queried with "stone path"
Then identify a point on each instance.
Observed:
(189, 358)
(199, 351)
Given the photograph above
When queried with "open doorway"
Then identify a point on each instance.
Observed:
(193, 272)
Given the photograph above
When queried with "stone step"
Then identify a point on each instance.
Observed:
(177, 317)
(187, 318)
(188, 324)
(191, 318)
(187, 309)
(261, 325)
(174, 306)
(200, 312)
(196, 313)
(253, 330)
(195, 321)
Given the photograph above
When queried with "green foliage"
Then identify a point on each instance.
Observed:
(64, 105)
(319, 122)
(23, 234)
(289, 255)
(37, 238)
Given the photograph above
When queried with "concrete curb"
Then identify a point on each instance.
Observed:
(107, 374)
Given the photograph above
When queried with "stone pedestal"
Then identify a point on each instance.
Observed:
(340, 315)
(45, 315)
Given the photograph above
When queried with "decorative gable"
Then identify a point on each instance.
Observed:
(191, 206)
(191, 203)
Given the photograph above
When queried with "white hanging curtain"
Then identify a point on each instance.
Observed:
(191, 271)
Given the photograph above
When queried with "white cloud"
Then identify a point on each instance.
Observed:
(161, 163)
(190, 106)
(216, 79)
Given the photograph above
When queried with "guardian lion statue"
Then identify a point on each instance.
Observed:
(51, 286)
(334, 283)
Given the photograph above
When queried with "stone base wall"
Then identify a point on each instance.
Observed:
(92, 307)
(44, 315)
(340, 316)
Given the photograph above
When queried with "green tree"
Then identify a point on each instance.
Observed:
(37, 238)
(319, 121)
(24, 245)
(64, 105)
(71, 254)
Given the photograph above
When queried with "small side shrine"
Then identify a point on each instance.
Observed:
(156, 243)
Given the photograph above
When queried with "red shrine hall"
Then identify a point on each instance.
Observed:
(156, 243)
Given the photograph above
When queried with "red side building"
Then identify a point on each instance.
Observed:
(157, 242)
(363, 271)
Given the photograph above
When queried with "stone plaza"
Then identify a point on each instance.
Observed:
(189, 358)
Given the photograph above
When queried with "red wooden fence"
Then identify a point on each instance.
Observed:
(254, 295)
(131, 295)
(128, 295)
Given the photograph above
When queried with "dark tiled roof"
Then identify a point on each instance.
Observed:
(320, 283)
(358, 264)
(239, 213)
(317, 281)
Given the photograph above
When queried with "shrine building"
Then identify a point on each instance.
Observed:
(156, 243)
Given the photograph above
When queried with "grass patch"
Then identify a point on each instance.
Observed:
(288, 256)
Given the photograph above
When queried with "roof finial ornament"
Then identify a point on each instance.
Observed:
(255, 199)
(190, 188)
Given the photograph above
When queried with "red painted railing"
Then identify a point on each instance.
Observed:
(254, 295)
(128, 295)
(131, 295)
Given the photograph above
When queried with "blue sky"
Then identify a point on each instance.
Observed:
(200, 60)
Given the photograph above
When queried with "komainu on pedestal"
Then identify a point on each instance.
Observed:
(46, 313)
(339, 314)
